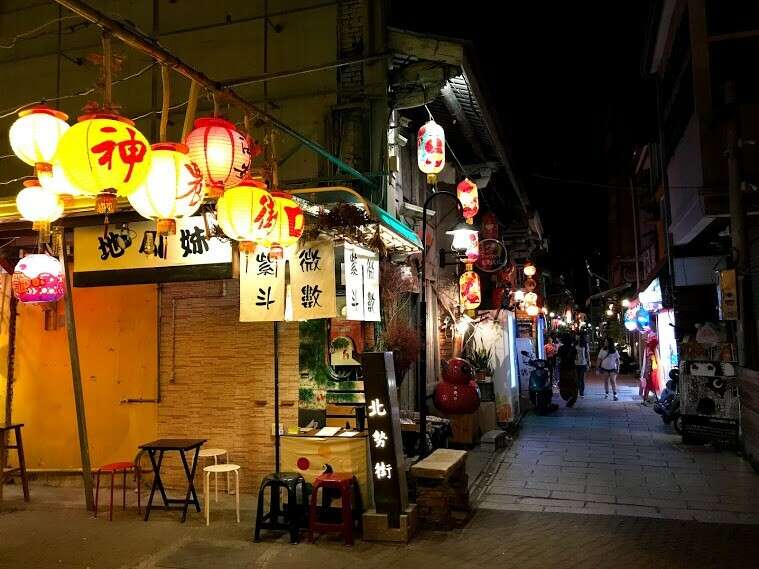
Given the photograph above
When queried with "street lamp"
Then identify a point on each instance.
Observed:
(461, 233)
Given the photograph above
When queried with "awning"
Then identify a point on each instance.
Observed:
(608, 292)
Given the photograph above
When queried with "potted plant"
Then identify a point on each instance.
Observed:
(480, 360)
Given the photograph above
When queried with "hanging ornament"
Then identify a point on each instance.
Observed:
(39, 206)
(430, 150)
(221, 152)
(104, 155)
(288, 227)
(38, 278)
(247, 213)
(466, 191)
(173, 188)
(469, 290)
(529, 269)
(35, 134)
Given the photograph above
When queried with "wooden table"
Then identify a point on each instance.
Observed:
(19, 448)
(181, 446)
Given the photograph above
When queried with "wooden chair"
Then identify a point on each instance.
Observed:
(18, 446)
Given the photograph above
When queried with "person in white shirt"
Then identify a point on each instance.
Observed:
(608, 366)
(582, 361)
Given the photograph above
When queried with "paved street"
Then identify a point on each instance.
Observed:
(618, 458)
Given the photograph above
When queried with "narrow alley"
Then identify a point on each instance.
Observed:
(618, 458)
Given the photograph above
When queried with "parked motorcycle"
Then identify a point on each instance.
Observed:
(668, 405)
(540, 389)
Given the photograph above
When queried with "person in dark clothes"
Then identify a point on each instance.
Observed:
(567, 370)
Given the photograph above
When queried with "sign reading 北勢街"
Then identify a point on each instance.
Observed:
(136, 254)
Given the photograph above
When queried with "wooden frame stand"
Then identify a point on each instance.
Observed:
(376, 527)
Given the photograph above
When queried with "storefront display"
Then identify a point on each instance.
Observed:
(710, 407)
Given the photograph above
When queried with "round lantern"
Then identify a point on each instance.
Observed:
(453, 399)
(531, 298)
(469, 290)
(38, 278)
(533, 310)
(247, 213)
(529, 269)
(466, 191)
(519, 295)
(288, 227)
(104, 155)
(530, 284)
(39, 206)
(54, 180)
(489, 225)
(430, 150)
(220, 151)
(35, 134)
(173, 188)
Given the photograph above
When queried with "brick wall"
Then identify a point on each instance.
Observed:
(217, 377)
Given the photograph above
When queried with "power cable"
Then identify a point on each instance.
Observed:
(25, 35)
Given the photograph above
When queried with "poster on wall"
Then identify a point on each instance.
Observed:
(312, 281)
(262, 287)
(709, 399)
(136, 254)
(362, 297)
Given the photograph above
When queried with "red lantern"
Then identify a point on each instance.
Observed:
(289, 225)
(489, 226)
(466, 191)
(222, 153)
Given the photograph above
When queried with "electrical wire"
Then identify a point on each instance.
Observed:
(150, 113)
(7, 182)
(25, 35)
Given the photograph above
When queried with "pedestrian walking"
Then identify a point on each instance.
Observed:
(608, 366)
(582, 360)
(566, 357)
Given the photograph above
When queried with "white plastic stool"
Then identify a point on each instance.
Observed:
(215, 453)
(216, 468)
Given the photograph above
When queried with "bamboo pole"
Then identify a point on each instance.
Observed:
(192, 107)
(166, 99)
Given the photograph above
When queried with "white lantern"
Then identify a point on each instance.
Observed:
(38, 278)
(39, 206)
(54, 180)
(430, 150)
(35, 134)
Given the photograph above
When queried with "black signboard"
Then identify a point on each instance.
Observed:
(385, 443)
(709, 402)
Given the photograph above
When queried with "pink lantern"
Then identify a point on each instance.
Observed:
(466, 191)
(38, 278)
(221, 152)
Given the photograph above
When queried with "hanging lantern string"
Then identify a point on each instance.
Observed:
(107, 80)
(166, 85)
(448, 145)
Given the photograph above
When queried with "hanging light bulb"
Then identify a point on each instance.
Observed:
(625, 303)
(466, 191)
(247, 214)
(529, 269)
(39, 206)
(35, 134)
(430, 150)
(288, 227)
(38, 278)
(532, 310)
(462, 236)
(221, 152)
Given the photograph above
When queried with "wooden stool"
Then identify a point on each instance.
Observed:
(345, 484)
(215, 453)
(278, 518)
(215, 469)
(113, 469)
(19, 448)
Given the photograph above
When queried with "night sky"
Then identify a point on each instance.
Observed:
(568, 89)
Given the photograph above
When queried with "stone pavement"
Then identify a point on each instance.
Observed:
(618, 458)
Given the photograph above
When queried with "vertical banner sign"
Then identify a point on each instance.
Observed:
(262, 287)
(312, 281)
(362, 298)
(371, 288)
(385, 443)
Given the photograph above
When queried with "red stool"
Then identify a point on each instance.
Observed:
(113, 469)
(344, 482)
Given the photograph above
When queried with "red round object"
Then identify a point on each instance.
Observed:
(457, 371)
(456, 399)
(303, 463)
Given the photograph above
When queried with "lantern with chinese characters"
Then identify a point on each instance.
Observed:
(39, 206)
(55, 181)
(466, 191)
(106, 156)
(38, 278)
(35, 135)
(221, 152)
(288, 227)
(430, 150)
(173, 188)
(247, 213)
(469, 290)
(530, 269)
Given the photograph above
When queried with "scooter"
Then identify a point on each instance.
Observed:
(668, 405)
(541, 390)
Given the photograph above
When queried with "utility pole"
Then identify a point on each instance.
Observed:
(745, 326)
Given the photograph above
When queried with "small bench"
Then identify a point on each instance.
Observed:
(442, 487)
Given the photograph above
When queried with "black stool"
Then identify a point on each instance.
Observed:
(279, 518)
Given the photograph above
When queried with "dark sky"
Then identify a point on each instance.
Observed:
(568, 89)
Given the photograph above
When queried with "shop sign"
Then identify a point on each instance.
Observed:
(262, 287)
(651, 298)
(493, 256)
(384, 436)
(136, 254)
(362, 295)
(727, 293)
(312, 281)
(710, 406)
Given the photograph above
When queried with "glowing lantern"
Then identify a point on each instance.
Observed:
(55, 181)
(529, 269)
(289, 225)
(173, 188)
(532, 310)
(220, 151)
(466, 191)
(489, 225)
(430, 150)
(35, 134)
(530, 284)
(38, 206)
(469, 290)
(519, 295)
(104, 155)
(463, 235)
(247, 213)
(531, 298)
(38, 278)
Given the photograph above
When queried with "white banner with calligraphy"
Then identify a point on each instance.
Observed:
(312, 281)
(362, 299)
(262, 287)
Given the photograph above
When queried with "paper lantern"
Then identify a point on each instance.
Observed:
(104, 155)
(531, 298)
(533, 310)
(489, 225)
(288, 227)
(530, 269)
(519, 295)
(39, 206)
(35, 135)
(54, 180)
(469, 290)
(221, 153)
(430, 150)
(38, 278)
(466, 191)
(530, 284)
(173, 188)
(247, 213)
